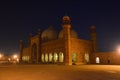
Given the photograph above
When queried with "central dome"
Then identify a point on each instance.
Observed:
(73, 34)
(49, 34)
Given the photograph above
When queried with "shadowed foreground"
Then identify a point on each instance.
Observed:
(59, 72)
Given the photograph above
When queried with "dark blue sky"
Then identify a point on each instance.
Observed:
(18, 19)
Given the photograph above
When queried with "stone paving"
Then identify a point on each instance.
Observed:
(59, 72)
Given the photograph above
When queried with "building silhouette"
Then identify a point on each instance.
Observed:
(64, 47)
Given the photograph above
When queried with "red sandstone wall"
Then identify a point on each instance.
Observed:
(26, 52)
(80, 47)
(53, 46)
(113, 57)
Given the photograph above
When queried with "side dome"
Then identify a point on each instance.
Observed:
(73, 34)
(49, 34)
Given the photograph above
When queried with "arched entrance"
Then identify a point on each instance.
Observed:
(74, 58)
(97, 60)
(55, 57)
(61, 57)
(86, 58)
(46, 57)
(50, 57)
(42, 57)
(108, 61)
(34, 53)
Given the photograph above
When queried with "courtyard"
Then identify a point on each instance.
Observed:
(59, 72)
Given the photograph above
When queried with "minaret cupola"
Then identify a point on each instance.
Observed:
(66, 20)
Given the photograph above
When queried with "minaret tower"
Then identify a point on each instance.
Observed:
(21, 49)
(67, 43)
(93, 38)
(39, 46)
(30, 36)
(30, 44)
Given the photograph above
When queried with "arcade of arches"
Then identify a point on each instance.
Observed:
(63, 46)
(52, 46)
(52, 57)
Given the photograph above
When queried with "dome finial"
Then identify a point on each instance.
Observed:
(66, 19)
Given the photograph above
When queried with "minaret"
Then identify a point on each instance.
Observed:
(21, 49)
(30, 36)
(93, 38)
(39, 46)
(66, 34)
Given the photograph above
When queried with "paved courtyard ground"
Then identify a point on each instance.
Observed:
(59, 72)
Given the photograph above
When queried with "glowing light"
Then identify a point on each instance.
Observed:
(15, 56)
(9, 59)
(61, 57)
(118, 49)
(56, 55)
(46, 57)
(1, 55)
(97, 60)
(42, 57)
(50, 57)
(17, 60)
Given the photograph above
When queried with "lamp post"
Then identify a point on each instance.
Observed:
(16, 58)
(118, 49)
(1, 55)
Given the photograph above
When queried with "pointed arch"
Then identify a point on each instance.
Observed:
(55, 57)
(50, 57)
(61, 57)
(42, 57)
(74, 57)
(46, 57)
(97, 60)
(86, 57)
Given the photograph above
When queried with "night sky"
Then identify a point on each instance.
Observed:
(18, 19)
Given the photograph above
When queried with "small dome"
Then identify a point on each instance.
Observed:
(49, 34)
(66, 18)
(73, 34)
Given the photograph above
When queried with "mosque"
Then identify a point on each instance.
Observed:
(64, 47)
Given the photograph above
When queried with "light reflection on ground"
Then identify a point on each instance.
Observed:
(59, 72)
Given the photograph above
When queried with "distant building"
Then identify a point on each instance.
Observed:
(64, 47)
(9, 58)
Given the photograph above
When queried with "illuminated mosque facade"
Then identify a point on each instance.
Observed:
(64, 47)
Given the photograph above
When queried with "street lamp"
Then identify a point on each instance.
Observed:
(17, 60)
(1, 55)
(118, 49)
(15, 56)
